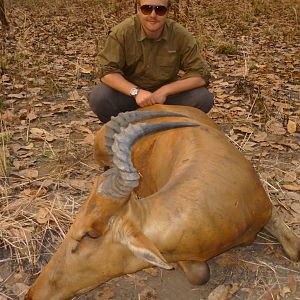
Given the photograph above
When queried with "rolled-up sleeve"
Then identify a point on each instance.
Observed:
(111, 59)
(192, 62)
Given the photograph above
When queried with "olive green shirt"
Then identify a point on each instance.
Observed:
(151, 63)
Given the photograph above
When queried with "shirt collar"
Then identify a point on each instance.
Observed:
(142, 34)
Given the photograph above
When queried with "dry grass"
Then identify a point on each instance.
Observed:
(35, 212)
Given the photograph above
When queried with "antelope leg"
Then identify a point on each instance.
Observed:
(197, 272)
(287, 238)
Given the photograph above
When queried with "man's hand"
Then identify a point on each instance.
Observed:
(176, 87)
(144, 98)
(159, 96)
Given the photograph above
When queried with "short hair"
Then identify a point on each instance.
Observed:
(139, 2)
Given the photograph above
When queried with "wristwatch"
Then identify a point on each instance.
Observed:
(134, 91)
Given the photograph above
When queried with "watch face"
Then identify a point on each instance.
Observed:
(134, 92)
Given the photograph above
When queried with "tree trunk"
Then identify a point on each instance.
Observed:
(2, 14)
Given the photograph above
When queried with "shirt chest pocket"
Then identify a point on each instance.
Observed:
(169, 59)
(167, 66)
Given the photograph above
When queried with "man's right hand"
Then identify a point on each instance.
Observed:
(143, 98)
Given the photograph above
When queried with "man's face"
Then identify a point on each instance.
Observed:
(152, 23)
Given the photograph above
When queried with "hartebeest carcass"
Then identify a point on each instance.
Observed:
(188, 196)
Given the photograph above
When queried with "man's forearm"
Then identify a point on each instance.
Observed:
(182, 85)
(118, 82)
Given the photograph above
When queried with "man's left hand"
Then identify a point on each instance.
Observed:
(159, 96)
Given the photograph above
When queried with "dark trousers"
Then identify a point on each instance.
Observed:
(106, 102)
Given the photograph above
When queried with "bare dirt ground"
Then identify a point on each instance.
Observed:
(47, 67)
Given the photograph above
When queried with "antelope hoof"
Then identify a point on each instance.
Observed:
(285, 235)
(292, 248)
(197, 272)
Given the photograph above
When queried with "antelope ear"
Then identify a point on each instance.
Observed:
(144, 248)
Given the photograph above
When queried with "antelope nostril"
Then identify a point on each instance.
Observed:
(78, 236)
(74, 245)
(92, 234)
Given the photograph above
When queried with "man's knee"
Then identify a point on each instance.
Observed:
(98, 99)
(106, 102)
(97, 96)
(203, 99)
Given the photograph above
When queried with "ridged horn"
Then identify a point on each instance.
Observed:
(124, 177)
(124, 119)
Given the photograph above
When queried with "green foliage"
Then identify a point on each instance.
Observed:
(227, 49)
(262, 6)
(252, 66)
(2, 104)
(209, 12)
(6, 137)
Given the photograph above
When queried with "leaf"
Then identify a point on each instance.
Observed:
(106, 294)
(290, 176)
(221, 292)
(80, 184)
(281, 106)
(21, 95)
(238, 111)
(86, 70)
(60, 108)
(45, 183)
(235, 287)
(34, 192)
(292, 283)
(29, 173)
(222, 83)
(20, 288)
(148, 293)
(271, 294)
(291, 126)
(5, 134)
(42, 216)
(19, 164)
(74, 96)
(7, 116)
(4, 154)
(5, 78)
(41, 134)
(152, 271)
(83, 129)
(35, 90)
(244, 129)
(17, 147)
(290, 187)
(275, 127)
(276, 146)
(31, 116)
(260, 137)
(21, 234)
(89, 139)
(290, 145)
(293, 196)
(296, 207)
(249, 146)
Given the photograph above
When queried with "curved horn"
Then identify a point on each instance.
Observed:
(124, 119)
(124, 177)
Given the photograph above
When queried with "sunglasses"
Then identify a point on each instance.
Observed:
(160, 10)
